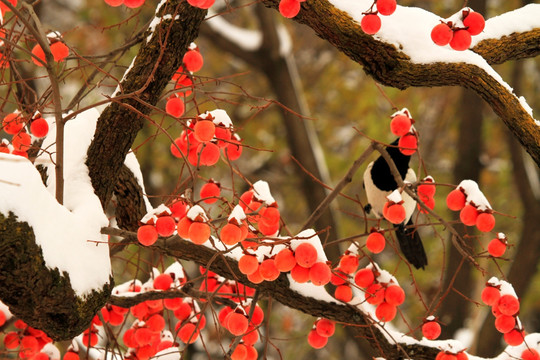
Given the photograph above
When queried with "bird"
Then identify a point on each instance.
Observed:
(378, 184)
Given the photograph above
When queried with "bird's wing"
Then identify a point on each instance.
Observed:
(375, 197)
(408, 202)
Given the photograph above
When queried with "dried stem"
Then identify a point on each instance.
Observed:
(342, 183)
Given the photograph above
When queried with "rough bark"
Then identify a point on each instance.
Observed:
(41, 296)
(152, 69)
(280, 291)
(130, 206)
(392, 67)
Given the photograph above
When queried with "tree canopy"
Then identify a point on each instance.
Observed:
(166, 193)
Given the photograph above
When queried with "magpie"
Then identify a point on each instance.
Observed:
(378, 184)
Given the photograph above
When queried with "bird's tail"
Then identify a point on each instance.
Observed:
(411, 245)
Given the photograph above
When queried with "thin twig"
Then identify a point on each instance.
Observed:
(40, 37)
(239, 338)
(397, 177)
(339, 187)
(185, 291)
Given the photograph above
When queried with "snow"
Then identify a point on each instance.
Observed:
(262, 193)
(507, 289)
(154, 214)
(353, 248)
(117, 90)
(385, 277)
(195, 212)
(220, 118)
(312, 291)
(403, 111)
(474, 195)
(54, 35)
(519, 20)
(176, 269)
(65, 237)
(311, 237)
(395, 197)
(52, 351)
(532, 341)
(133, 164)
(124, 288)
(409, 29)
(70, 235)
(5, 309)
(156, 21)
(237, 214)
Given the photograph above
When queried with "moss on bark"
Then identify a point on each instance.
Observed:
(41, 296)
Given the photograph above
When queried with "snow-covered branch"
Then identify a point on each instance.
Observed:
(43, 277)
(175, 26)
(402, 54)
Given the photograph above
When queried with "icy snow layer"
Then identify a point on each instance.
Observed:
(220, 117)
(262, 193)
(474, 194)
(64, 232)
(519, 20)
(5, 309)
(64, 236)
(409, 29)
(152, 214)
(133, 164)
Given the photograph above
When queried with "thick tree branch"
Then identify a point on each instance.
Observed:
(158, 58)
(512, 47)
(186, 291)
(44, 297)
(41, 296)
(281, 291)
(392, 67)
(130, 206)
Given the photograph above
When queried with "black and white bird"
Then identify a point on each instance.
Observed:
(379, 183)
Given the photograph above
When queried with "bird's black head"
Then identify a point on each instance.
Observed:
(380, 172)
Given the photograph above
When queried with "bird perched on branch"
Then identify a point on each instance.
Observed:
(379, 183)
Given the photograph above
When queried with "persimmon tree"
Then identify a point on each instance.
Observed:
(72, 195)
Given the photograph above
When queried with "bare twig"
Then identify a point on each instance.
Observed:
(186, 291)
(342, 183)
(39, 35)
(412, 194)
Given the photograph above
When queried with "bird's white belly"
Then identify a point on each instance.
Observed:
(377, 198)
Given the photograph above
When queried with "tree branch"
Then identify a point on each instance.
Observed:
(157, 60)
(281, 291)
(393, 67)
(41, 296)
